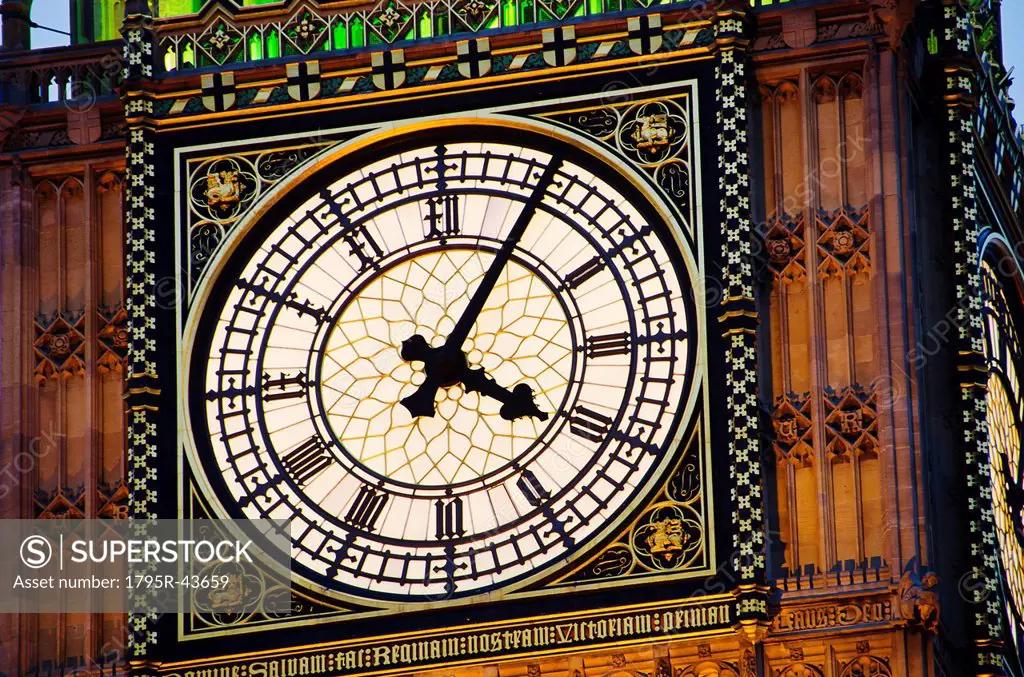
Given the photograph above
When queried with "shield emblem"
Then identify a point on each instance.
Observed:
(388, 69)
(559, 45)
(474, 57)
(304, 80)
(84, 126)
(218, 91)
(645, 34)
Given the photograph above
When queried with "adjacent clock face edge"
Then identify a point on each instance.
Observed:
(690, 402)
(1003, 403)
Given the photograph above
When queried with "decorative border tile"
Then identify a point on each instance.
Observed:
(739, 320)
(963, 209)
(140, 302)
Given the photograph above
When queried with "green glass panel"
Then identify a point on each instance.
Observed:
(188, 57)
(170, 59)
(356, 28)
(426, 26)
(340, 37)
(495, 22)
(594, 7)
(273, 45)
(527, 12)
(508, 13)
(255, 47)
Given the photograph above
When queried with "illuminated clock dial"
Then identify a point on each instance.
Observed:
(1004, 408)
(451, 368)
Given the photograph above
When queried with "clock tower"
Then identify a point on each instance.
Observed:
(585, 338)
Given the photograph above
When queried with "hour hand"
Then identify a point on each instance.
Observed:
(421, 402)
(515, 403)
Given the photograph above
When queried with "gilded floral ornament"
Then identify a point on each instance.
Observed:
(220, 42)
(653, 132)
(305, 31)
(474, 13)
(223, 188)
(390, 20)
(667, 539)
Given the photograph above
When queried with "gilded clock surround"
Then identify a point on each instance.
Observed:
(679, 540)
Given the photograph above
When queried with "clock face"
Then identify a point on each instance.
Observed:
(1004, 408)
(455, 364)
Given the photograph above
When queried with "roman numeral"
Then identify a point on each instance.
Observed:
(367, 507)
(291, 301)
(443, 217)
(608, 344)
(584, 273)
(532, 489)
(589, 424)
(307, 460)
(284, 387)
(448, 523)
(360, 243)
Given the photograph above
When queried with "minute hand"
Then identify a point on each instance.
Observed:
(469, 316)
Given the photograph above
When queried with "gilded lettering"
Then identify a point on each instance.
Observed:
(848, 614)
(564, 633)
